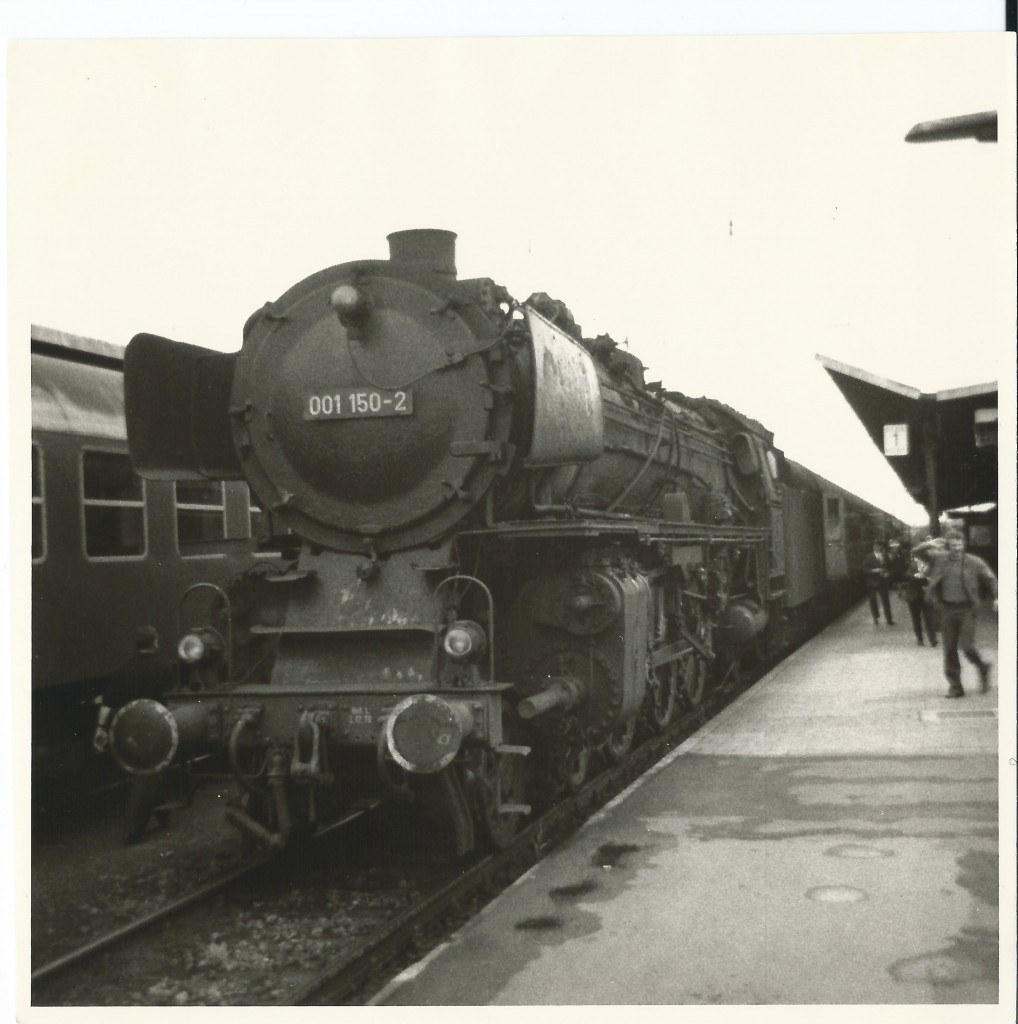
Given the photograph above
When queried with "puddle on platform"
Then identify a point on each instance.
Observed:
(836, 894)
(538, 924)
(610, 854)
(572, 892)
(855, 851)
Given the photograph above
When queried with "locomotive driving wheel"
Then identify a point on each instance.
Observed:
(662, 701)
(569, 762)
(694, 680)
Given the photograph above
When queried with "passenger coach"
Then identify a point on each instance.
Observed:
(112, 554)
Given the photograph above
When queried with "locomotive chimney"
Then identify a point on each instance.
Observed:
(430, 248)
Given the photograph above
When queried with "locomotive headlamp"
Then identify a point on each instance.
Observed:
(351, 303)
(199, 645)
(464, 641)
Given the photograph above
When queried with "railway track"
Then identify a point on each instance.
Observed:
(85, 954)
(44, 977)
(58, 973)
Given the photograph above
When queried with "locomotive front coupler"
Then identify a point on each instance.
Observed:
(245, 720)
(309, 732)
(277, 774)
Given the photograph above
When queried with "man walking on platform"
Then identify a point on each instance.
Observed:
(958, 582)
(877, 568)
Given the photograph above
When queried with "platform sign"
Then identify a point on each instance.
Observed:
(896, 439)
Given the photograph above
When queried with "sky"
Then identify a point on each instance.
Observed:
(727, 207)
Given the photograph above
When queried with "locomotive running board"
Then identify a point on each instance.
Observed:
(646, 530)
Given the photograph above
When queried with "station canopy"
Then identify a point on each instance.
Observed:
(942, 445)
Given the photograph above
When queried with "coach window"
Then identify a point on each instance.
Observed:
(258, 526)
(833, 510)
(201, 516)
(113, 497)
(38, 508)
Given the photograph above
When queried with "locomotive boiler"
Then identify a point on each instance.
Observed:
(507, 550)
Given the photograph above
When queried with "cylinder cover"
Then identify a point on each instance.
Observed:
(745, 621)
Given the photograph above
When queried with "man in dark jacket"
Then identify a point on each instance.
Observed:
(876, 567)
(958, 583)
(913, 589)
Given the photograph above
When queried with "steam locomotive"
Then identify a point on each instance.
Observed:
(513, 551)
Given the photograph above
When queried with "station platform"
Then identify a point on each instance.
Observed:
(831, 837)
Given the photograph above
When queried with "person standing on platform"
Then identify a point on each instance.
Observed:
(897, 556)
(913, 589)
(958, 582)
(877, 569)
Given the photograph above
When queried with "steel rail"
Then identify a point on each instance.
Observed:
(104, 942)
(84, 953)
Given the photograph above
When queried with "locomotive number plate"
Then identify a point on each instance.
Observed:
(357, 403)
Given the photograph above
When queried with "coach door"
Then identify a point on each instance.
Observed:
(834, 536)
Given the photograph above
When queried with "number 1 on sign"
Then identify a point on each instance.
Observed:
(896, 439)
